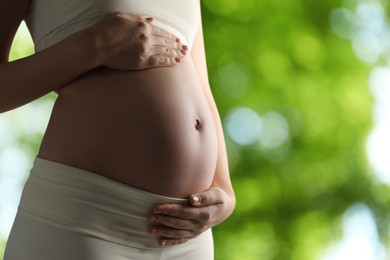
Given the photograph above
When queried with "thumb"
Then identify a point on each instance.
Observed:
(206, 198)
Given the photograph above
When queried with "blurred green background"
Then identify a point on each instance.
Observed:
(292, 86)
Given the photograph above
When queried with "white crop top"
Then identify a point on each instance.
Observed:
(50, 21)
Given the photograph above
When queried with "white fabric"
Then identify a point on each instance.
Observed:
(69, 213)
(50, 21)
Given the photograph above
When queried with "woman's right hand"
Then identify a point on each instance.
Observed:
(131, 42)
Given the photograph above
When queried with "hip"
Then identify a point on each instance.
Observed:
(60, 202)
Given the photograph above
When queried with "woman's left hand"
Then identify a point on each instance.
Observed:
(176, 223)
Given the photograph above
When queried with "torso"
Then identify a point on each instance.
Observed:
(151, 129)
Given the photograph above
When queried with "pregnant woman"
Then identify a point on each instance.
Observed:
(133, 162)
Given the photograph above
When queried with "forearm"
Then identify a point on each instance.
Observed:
(27, 79)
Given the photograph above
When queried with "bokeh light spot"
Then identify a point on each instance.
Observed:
(275, 130)
(370, 16)
(379, 83)
(366, 46)
(342, 22)
(378, 150)
(244, 125)
(308, 50)
(360, 238)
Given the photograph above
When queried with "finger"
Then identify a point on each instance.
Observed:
(167, 232)
(175, 210)
(162, 41)
(163, 241)
(158, 31)
(169, 52)
(174, 222)
(210, 197)
(161, 61)
(195, 214)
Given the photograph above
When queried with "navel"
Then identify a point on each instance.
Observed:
(198, 124)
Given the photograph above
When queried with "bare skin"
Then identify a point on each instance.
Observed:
(151, 129)
(174, 119)
(176, 224)
(58, 65)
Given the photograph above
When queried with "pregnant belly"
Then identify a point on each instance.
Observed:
(151, 129)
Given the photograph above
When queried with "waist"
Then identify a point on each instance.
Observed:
(85, 202)
(151, 129)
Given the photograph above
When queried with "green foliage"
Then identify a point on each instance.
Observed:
(2, 247)
(282, 56)
(288, 60)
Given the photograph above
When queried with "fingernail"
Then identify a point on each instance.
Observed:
(177, 60)
(185, 47)
(183, 52)
(149, 19)
(195, 199)
(177, 40)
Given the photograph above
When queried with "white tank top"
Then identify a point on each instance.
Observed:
(50, 21)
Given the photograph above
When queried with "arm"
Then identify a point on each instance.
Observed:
(208, 208)
(29, 78)
(119, 41)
